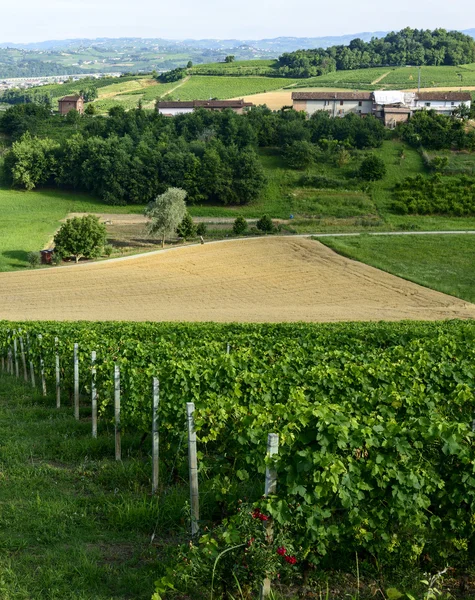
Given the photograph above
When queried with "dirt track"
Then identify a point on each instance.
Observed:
(270, 279)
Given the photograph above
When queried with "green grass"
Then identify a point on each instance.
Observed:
(441, 262)
(74, 524)
(29, 220)
(204, 87)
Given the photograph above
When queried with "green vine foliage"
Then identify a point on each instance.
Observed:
(377, 451)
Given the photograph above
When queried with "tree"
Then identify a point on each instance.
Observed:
(189, 64)
(229, 58)
(240, 225)
(372, 168)
(34, 259)
(202, 229)
(90, 110)
(31, 161)
(186, 229)
(265, 224)
(166, 212)
(81, 236)
(299, 154)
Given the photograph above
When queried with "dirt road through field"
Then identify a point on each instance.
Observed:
(270, 279)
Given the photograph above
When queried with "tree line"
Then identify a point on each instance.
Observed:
(405, 47)
(131, 157)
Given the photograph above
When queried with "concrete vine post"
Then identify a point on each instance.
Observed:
(117, 411)
(155, 438)
(42, 368)
(93, 394)
(15, 354)
(32, 368)
(58, 375)
(76, 381)
(193, 468)
(23, 359)
(270, 488)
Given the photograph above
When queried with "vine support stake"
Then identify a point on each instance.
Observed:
(117, 411)
(23, 359)
(15, 353)
(270, 488)
(76, 381)
(42, 368)
(32, 368)
(93, 394)
(58, 375)
(155, 439)
(228, 349)
(193, 467)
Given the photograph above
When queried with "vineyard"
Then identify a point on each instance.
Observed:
(376, 444)
(204, 88)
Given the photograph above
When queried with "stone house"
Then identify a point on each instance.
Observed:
(68, 103)
(172, 108)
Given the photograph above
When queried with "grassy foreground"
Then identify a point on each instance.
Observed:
(441, 262)
(73, 523)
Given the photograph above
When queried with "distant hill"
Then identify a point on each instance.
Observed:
(274, 46)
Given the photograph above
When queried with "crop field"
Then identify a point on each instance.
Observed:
(236, 68)
(269, 279)
(354, 79)
(204, 87)
(407, 77)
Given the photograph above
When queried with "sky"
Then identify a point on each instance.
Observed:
(34, 21)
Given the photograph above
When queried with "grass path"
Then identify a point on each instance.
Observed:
(378, 79)
(74, 524)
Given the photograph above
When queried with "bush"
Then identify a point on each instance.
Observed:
(240, 225)
(201, 229)
(33, 259)
(265, 224)
(372, 168)
(299, 154)
(108, 249)
(186, 229)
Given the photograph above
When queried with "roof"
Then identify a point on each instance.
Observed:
(205, 104)
(453, 96)
(331, 95)
(74, 98)
(389, 97)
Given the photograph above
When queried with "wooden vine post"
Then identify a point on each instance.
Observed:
(93, 394)
(270, 488)
(76, 380)
(117, 411)
(58, 375)
(193, 467)
(32, 368)
(155, 439)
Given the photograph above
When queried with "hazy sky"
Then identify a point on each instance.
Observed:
(33, 20)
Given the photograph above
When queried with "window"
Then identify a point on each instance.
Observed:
(360, 103)
(341, 102)
(427, 103)
(452, 103)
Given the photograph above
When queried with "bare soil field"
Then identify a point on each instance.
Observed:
(271, 279)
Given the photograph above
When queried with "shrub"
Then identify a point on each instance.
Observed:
(265, 224)
(81, 236)
(186, 229)
(108, 249)
(372, 168)
(34, 258)
(240, 225)
(201, 229)
(299, 154)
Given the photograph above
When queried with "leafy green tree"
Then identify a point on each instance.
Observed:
(239, 225)
(230, 58)
(201, 229)
(372, 168)
(186, 229)
(299, 154)
(31, 161)
(73, 117)
(265, 224)
(81, 237)
(90, 110)
(166, 212)
(89, 94)
(189, 64)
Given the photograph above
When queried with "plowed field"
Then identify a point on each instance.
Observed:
(271, 279)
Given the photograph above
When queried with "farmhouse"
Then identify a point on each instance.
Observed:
(170, 109)
(337, 104)
(69, 103)
(391, 106)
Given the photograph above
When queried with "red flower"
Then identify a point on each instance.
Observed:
(263, 517)
(282, 551)
(291, 560)
(256, 513)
